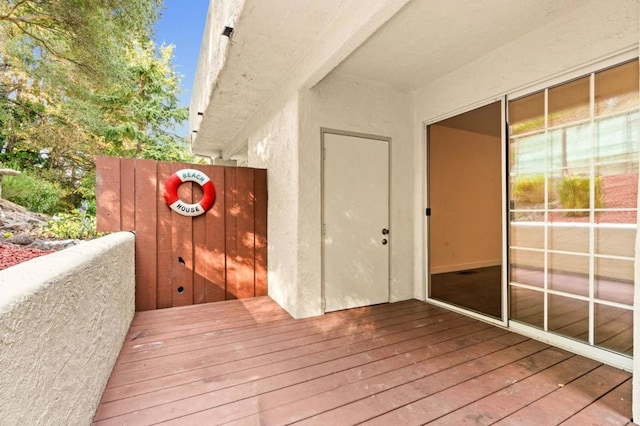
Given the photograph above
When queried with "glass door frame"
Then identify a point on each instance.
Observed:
(504, 280)
(587, 349)
(603, 355)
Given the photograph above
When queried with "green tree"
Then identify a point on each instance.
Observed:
(80, 78)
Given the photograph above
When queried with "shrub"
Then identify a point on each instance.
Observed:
(75, 225)
(573, 192)
(528, 189)
(37, 195)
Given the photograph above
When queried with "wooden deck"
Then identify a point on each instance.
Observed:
(247, 362)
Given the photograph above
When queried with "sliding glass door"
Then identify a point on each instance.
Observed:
(573, 186)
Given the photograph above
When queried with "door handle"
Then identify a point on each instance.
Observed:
(384, 242)
(385, 231)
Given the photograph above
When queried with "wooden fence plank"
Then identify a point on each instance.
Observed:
(199, 246)
(231, 225)
(215, 260)
(181, 260)
(260, 209)
(182, 247)
(127, 194)
(146, 231)
(163, 241)
(245, 262)
(108, 194)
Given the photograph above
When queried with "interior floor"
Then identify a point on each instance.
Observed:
(476, 289)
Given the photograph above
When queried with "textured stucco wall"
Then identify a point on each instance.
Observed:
(347, 104)
(63, 318)
(273, 145)
(285, 138)
(213, 54)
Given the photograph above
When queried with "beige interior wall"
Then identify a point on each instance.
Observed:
(465, 199)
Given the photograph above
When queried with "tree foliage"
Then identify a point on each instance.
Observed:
(80, 78)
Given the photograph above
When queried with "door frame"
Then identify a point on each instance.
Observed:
(323, 131)
(504, 155)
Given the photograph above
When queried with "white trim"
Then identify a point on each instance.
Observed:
(615, 58)
(580, 348)
(467, 312)
(503, 321)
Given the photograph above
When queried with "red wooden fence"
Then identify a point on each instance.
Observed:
(182, 260)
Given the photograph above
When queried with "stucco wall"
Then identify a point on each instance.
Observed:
(63, 318)
(346, 104)
(213, 54)
(285, 138)
(273, 144)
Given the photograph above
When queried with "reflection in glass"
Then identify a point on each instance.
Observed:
(526, 114)
(573, 204)
(527, 235)
(614, 280)
(569, 273)
(569, 102)
(527, 306)
(616, 89)
(619, 184)
(617, 138)
(569, 190)
(614, 328)
(570, 147)
(565, 236)
(528, 154)
(569, 317)
(527, 267)
(615, 239)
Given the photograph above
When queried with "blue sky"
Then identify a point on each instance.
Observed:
(182, 24)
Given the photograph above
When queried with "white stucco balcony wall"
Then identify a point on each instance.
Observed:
(63, 318)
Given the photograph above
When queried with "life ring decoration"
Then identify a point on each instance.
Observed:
(186, 209)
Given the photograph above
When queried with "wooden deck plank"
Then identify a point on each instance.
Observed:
(249, 363)
(291, 372)
(217, 368)
(614, 408)
(499, 405)
(431, 382)
(301, 351)
(569, 399)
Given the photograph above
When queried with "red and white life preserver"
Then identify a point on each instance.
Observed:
(189, 175)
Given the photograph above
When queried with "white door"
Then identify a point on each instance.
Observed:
(355, 221)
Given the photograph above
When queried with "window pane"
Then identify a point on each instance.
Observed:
(614, 280)
(527, 235)
(617, 89)
(614, 328)
(569, 317)
(569, 273)
(569, 102)
(569, 190)
(617, 185)
(615, 239)
(617, 138)
(527, 267)
(527, 306)
(570, 147)
(528, 154)
(526, 114)
(527, 192)
(569, 237)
